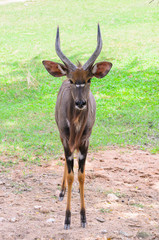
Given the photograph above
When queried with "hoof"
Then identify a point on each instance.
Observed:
(67, 226)
(83, 218)
(67, 220)
(61, 195)
(83, 224)
(61, 198)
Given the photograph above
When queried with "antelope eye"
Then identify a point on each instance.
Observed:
(70, 81)
(89, 80)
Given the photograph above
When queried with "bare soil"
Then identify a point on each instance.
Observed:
(121, 195)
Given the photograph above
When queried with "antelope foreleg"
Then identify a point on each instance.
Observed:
(70, 179)
(81, 178)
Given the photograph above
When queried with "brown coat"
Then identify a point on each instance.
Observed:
(75, 126)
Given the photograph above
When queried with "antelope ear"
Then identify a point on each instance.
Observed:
(101, 69)
(55, 69)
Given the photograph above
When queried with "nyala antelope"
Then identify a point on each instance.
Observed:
(75, 115)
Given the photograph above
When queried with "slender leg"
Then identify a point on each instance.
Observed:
(81, 178)
(63, 186)
(70, 179)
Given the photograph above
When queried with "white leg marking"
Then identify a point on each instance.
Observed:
(70, 158)
(80, 156)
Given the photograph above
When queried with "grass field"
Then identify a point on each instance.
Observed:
(127, 99)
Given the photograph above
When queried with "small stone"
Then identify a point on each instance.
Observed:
(2, 183)
(52, 209)
(101, 160)
(125, 234)
(50, 220)
(37, 207)
(5, 195)
(112, 197)
(44, 210)
(2, 219)
(100, 219)
(131, 201)
(20, 214)
(134, 225)
(8, 185)
(13, 220)
(38, 200)
(143, 235)
(104, 231)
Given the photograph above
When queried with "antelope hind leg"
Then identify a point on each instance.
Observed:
(63, 186)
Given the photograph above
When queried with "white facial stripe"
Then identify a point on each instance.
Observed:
(80, 85)
(80, 156)
(80, 108)
(70, 158)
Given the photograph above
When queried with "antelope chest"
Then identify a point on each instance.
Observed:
(78, 126)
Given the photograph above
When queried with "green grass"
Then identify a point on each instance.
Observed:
(105, 210)
(127, 99)
(139, 205)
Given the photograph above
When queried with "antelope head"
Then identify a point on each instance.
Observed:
(79, 76)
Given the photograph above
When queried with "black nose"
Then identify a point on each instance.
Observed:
(80, 103)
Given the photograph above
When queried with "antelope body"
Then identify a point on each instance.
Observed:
(75, 116)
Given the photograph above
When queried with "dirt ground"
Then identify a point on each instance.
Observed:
(121, 195)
